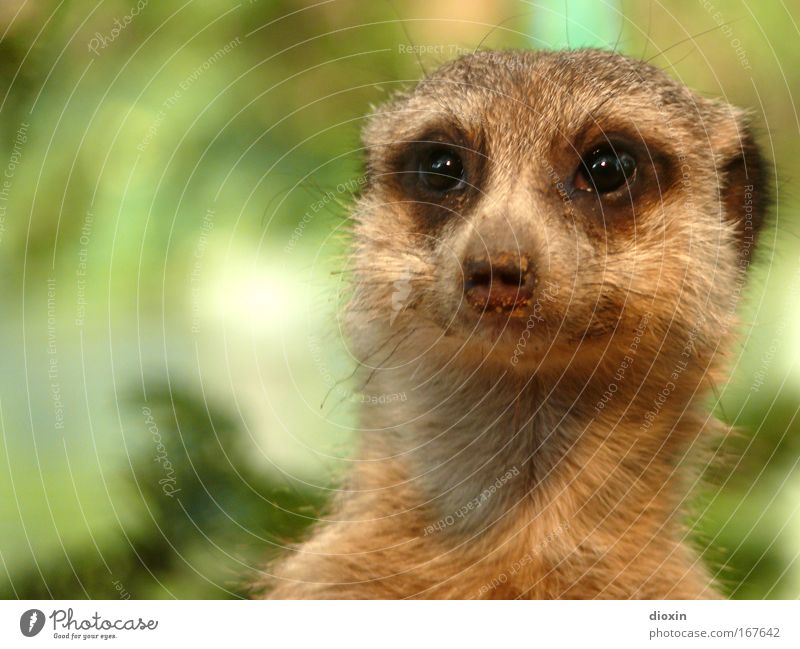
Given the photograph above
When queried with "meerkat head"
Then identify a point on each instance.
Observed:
(555, 197)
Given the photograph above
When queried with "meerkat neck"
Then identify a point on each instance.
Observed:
(494, 441)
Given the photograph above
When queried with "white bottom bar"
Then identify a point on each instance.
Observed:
(400, 624)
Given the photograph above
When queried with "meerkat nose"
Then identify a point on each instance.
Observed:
(502, 283)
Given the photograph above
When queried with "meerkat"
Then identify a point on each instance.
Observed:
(546, 263)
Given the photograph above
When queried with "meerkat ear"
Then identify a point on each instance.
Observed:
(745, 193)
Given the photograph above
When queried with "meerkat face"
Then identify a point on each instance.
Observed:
(555, 196)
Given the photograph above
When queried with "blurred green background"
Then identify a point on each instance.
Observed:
(175, 178)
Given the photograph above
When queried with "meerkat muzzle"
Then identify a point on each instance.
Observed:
(503, 283)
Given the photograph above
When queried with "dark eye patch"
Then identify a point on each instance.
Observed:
(438, 175)
(615, 177)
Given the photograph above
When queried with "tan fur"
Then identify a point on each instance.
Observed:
(587, 501)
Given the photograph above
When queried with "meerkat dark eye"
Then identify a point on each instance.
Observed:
(441, 170)
(604, 170)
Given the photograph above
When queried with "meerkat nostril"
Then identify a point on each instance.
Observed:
(503, 283)
(477, 273)
(510, 276)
